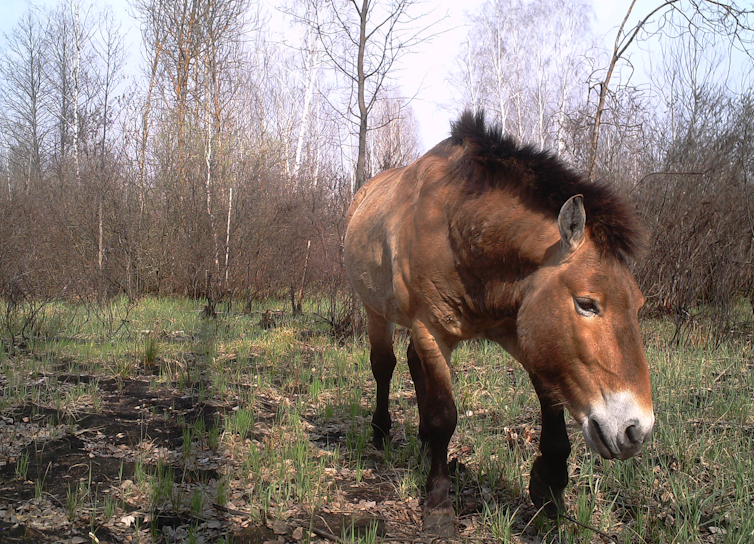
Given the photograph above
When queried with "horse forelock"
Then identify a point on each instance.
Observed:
(493, 159)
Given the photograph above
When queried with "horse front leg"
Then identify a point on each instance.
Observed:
(549, 473)
(438, 418)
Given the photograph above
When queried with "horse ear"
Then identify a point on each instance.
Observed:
(571, 222)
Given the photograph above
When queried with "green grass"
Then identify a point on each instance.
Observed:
(291, 427)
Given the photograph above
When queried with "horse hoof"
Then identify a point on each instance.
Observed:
(380, 438)
(440, 523)
(546, 499)
(551, 508)
(551, 505)
(440, 526)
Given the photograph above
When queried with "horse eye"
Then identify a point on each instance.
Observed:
(586, 306)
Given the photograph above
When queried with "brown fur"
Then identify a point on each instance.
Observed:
(490, 159)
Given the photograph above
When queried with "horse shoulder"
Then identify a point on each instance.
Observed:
(436, 286)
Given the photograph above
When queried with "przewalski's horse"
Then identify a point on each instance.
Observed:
(483, 238)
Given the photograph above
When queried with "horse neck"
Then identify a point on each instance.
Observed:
(498, 254)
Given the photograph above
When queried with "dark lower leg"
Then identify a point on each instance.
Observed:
(439, 421)
(417, 375)
(549, 473)
(382, 358)
(383, 364)
(429, 360)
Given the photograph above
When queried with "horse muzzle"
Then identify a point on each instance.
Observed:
(617, 427)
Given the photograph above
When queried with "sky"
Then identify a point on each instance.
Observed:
(422, 74)
(427, 69)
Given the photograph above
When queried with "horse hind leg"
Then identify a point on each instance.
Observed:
(420, 385)
(382, 359)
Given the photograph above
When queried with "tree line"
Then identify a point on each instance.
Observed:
(225, 166)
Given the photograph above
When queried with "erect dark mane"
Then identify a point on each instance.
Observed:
(493, 159)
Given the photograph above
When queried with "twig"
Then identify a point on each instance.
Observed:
(319, 532)
(534, 516)
(721, 425)
(233, 511)
(602, 534)
(323, 318)
(723, 373)
(326, 535)
(88, 430)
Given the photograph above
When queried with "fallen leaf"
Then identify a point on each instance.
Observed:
(279, 527)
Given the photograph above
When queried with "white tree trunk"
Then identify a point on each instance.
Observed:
(208, 186)
(100, 254)
(78, 39)
(227, 236)
(311, 76)
(562, 116)
(541, 99)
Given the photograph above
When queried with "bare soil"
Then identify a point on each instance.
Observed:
(95, 452)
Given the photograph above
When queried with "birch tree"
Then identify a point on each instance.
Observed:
(109, 50)
(79, 22)
(523, 62)
(224, 23)
(24, 97)
(394, 135)
(311, 52)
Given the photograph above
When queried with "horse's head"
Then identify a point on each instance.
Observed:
(578, 330)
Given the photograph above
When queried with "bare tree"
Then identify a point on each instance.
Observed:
(708, 17)
(363, 42)
(24, 95)
(109, 50)
(72, 73)
(504, 67)
(78, 33)
(224, 24)
(312, 54)
(393, 138)
(59, 74)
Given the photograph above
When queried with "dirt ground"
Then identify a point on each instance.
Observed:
(79, 485)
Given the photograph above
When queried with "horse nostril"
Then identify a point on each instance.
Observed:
(598, 430)
(633, 435)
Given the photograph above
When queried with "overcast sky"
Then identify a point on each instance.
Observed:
(422, 74)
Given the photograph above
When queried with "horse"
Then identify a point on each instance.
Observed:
(483, 237)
